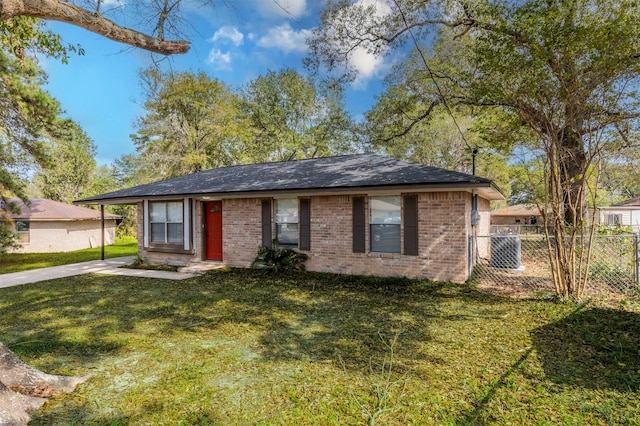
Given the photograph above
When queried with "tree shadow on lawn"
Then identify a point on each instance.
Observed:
(315, 317)
(294, 317)
(324, 317)
(593, 348)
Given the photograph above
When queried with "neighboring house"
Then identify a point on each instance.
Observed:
(51, 226)
(625, 213)
(352, 214)
(516, 219)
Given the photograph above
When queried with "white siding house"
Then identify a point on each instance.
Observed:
(625, 213)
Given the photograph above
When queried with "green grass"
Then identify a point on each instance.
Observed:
(17, 262)
(239, 347)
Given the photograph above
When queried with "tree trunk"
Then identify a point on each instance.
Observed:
(14, 406)
(15, 373)
(57, 10)
(572, 163)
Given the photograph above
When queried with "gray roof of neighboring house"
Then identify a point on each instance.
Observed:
(346, 172)
(632, 202)
(42, 209)
(517, 210)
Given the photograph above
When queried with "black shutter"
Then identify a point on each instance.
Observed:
(267, 239)
(359, 215)
(410, 225)
(305, 223)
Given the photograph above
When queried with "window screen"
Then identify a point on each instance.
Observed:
(287, 222)
(166, 222)
(384, 223)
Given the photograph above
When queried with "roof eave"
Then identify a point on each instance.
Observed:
(487, 189)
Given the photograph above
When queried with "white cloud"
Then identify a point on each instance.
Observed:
(366, 66)
(281, 8)
(285, 38)
(219, 59)
(229, 33)
(364, 63)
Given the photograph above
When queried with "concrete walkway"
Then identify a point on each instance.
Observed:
(107, 267)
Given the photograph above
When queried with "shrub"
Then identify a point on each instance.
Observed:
(275, 259)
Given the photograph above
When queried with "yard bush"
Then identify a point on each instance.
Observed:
(276, 259)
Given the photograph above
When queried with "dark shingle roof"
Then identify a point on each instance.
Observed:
(327, 173)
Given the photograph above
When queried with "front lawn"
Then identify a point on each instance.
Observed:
(18, 262)
(239, 347)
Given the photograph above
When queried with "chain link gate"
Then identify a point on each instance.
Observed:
(523, 261)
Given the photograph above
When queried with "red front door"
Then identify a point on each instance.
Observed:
(213, 214)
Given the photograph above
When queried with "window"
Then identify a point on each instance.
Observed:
(22, 229)
(384, 222)
(166, 222)
(287, 222)
(613, 219)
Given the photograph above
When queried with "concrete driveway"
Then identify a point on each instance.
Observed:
(108, 267)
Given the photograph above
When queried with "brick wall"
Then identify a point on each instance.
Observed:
(443, 223)
(242, 230)
(443, 226)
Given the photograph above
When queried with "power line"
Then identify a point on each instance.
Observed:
(473, 150)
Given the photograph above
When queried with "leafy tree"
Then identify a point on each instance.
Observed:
(621, 172)
(565, 72)
(442, 140)
(69, 174)
(108, 178)
(126, 171)
(26, 111)
(192, 124)
(26, 114)
(131, 170)
(291, 119)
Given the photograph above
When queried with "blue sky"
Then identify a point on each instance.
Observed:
(101, 90)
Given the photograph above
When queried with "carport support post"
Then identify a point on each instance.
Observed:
(102, 231)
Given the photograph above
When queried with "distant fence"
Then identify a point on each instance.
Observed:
(517, 229)
(523, 260)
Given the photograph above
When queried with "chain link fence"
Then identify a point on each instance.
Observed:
(522, 261)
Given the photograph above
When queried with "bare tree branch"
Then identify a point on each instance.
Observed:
(58, 10)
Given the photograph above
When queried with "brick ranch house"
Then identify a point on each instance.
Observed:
(48, 226)
(352, 214)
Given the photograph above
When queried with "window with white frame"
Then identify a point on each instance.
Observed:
(287, 222)
(613, 219)
(384, 223)
(166, 222)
